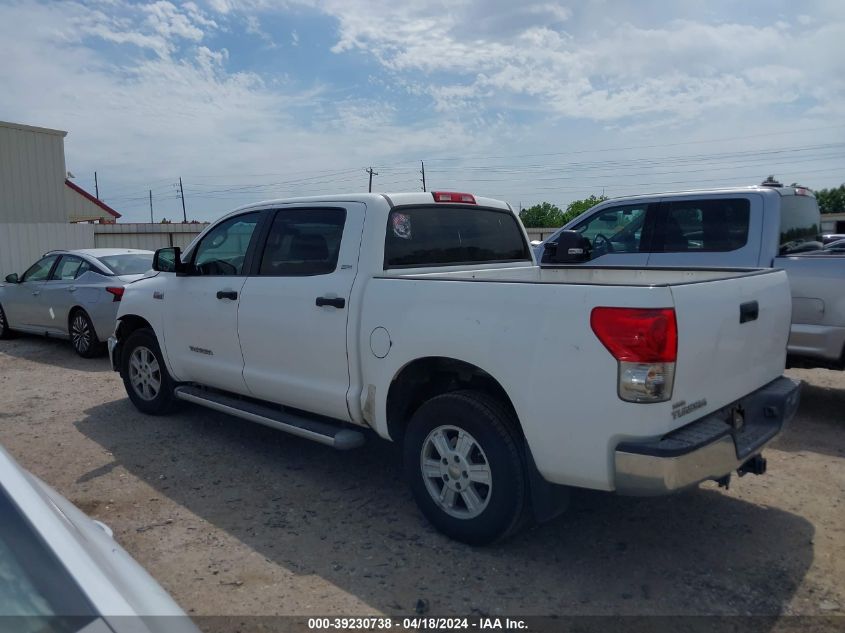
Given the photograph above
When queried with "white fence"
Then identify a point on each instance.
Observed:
(22, 244)
(539, 234)
(145, 236)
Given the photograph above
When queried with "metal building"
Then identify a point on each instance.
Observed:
(34, 201)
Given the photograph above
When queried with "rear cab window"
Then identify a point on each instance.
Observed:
(450, 235)
(800, 229)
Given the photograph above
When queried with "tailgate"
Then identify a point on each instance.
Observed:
(732, 336)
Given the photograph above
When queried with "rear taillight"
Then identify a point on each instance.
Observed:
(116, 292)
(644, 341)
(451, 196)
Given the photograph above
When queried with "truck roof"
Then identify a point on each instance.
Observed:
(393, 199)
(782, 191)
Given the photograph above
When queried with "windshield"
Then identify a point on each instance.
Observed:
(33, 582)
(447, 235)
(128, 264)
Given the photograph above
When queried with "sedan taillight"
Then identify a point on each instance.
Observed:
(116, 292)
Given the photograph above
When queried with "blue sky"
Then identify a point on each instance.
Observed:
(529, 101)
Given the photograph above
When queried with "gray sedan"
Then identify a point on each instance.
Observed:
(71, 294)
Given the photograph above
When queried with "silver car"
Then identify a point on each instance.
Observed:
(71, 294)
(62, 571)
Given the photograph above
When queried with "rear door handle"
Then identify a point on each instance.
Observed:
(227, 294)
(72, 289)
(748, 311)
(336, 302)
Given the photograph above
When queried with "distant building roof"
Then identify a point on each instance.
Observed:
(91, 198)
(32, 128)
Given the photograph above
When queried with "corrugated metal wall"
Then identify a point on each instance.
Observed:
(145, 236)
(32, 174)
(22, 244)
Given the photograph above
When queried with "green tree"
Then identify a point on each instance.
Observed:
(831, 200)
(577, 207)
(543, 215)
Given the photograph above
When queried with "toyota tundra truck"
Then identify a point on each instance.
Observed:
(422, 318)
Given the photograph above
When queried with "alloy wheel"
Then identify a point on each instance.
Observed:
(456, 472)
(80, 333)
(144, 373)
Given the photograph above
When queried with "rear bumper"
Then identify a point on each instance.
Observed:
(709, 448)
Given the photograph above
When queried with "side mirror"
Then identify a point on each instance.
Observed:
(571, 248)
(168, 260)
(12, 279)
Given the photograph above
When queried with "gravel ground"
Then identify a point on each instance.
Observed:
(234, 518)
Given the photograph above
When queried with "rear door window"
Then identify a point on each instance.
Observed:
(67, 268)
(450, 235)
(714, 225)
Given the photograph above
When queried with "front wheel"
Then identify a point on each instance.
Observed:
(465, 467)
(144, 373)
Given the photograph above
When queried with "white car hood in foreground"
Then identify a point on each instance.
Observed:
(111, 579)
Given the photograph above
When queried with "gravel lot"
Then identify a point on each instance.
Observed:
(233, 518)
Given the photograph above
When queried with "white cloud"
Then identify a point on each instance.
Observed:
(148, 92)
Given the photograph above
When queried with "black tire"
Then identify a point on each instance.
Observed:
(83, 336)
(5, 331)
(142, 344)
(494, 432)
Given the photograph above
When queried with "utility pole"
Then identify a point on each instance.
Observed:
(151, 207)
(96, 187)
(422, 169)
(372, 173)
(182, 193)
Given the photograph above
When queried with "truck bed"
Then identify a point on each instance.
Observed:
(529, 328)
(598, 276)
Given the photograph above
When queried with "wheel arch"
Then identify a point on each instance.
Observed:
(423, 378)
(128, 323)
(73, 310)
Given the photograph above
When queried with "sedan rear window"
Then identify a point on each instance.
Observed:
(128, 264)
(451, 235)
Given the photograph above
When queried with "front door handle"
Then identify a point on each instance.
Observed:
(72, 289)
(227, 294)
(336, 302)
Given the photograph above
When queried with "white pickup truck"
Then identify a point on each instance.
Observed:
(424, 318)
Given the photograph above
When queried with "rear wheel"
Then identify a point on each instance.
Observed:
(83, 337)
(144, 373)
(5, 332)
(465, 467)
